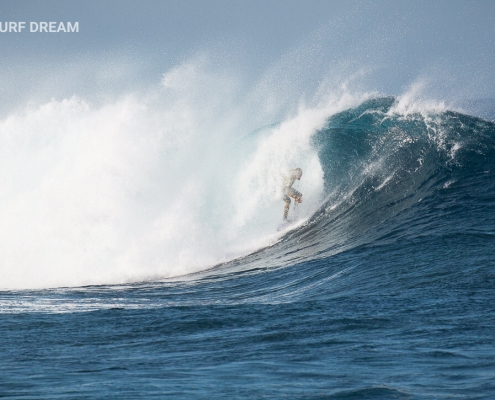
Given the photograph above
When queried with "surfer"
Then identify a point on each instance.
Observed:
(289, 191)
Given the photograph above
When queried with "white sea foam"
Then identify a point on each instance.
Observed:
(151, 186)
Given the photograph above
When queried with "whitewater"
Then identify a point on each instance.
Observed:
(150, 186)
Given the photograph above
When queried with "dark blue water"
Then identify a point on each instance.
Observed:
(386, 293)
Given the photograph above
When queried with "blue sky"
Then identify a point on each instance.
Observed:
(124, 45)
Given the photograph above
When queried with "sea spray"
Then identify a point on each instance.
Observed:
(150, 186)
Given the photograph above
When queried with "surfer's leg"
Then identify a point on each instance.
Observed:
(287, 206)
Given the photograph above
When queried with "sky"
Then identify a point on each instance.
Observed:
(125, 45)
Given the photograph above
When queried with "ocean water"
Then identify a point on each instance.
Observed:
(384, 289)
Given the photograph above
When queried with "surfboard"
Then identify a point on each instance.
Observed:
(287, 223)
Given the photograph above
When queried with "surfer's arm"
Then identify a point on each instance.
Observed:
(294, 194)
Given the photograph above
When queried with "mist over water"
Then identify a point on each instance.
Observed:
(151, 185)
(163, 182)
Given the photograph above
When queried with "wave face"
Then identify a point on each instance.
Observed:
(384, 291)
(395, 174)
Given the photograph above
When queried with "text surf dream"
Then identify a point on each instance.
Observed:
(40, 27)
